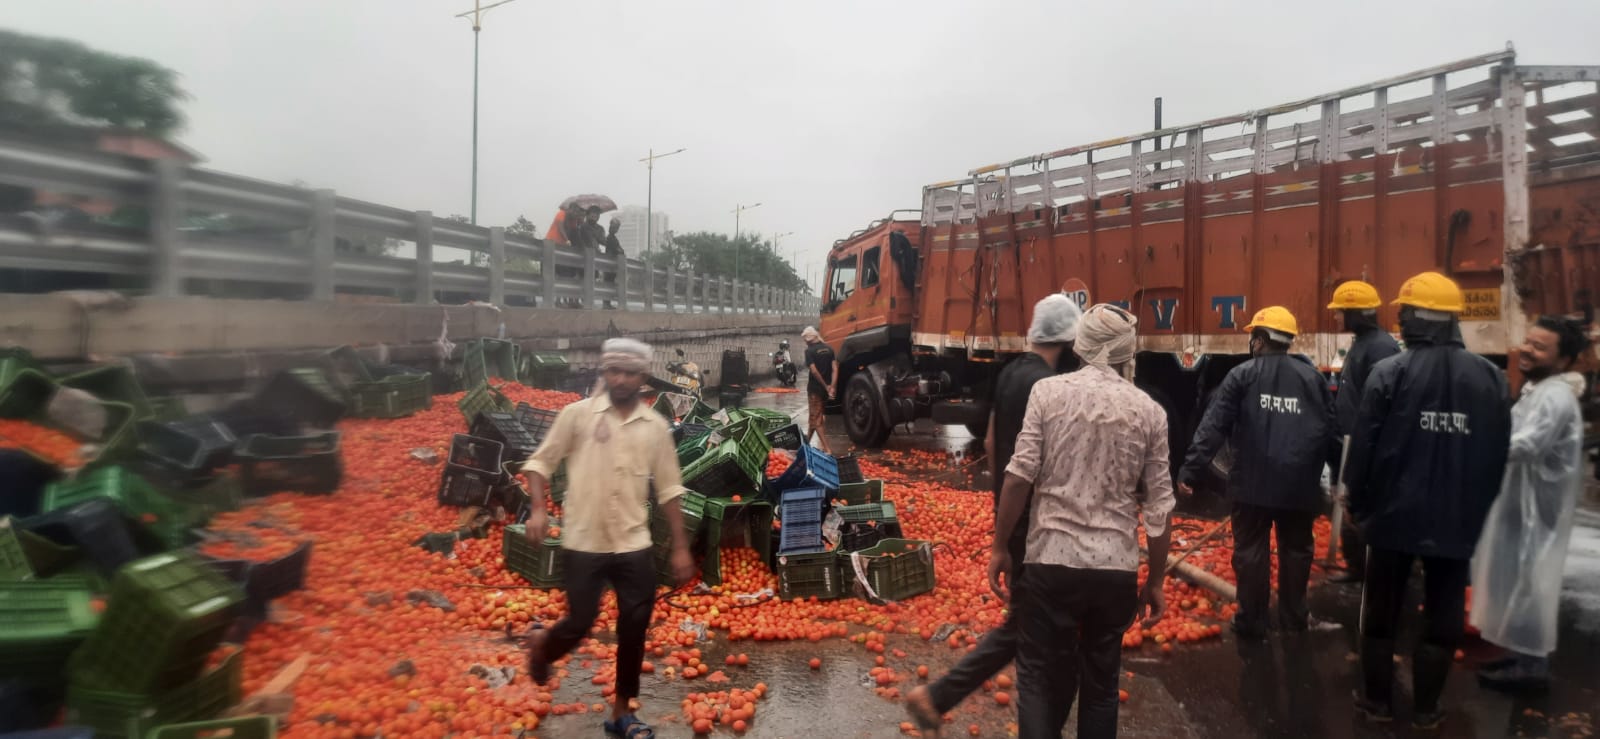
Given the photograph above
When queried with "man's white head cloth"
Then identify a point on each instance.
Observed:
(1055, 320)
(628, 355)
(810, 334)
(1107, 336)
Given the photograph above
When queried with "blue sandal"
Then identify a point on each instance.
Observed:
(629, 727)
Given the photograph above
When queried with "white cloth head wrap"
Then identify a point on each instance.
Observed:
(1055, 320)
(628, 355)
(810, 334)
(1107, 336)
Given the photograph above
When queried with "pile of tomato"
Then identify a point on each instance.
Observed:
(55, 447)
(386, 660)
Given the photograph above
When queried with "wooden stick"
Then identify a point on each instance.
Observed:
(1173, 562)
(286, 676)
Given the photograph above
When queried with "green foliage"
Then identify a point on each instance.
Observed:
(49, 83)
(751, 258)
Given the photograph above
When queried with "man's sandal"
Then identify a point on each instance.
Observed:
(629, 727)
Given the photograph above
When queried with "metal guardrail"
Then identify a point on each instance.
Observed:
(169, 256)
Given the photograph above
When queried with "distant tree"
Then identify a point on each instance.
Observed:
(751, 258)
(47, 84)
(524, 229)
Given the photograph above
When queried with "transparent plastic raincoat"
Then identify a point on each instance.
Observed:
(1516, 570)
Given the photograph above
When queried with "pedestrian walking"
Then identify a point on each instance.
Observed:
(1092, 449)
(1516, 572)
(1050, 336)
(1426, 458)
(822, 371)
(1276, 411)
(1357, 303)
(616, 449)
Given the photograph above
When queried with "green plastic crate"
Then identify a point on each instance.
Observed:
(166, 614)
(691, 450)
(882, 512)
(395, 396)
(860, 493)
(348, 366)
(745, 523)
(539, 565)
(485, 359)
(244, 727)
(701, 413)
(25, 385)
(545, 369)
(130, 715)
(168, 519)
(41, 623)
(219, 494)
(168, 408)
(895, 569)
(25, 555)
(113, 382)
(692, 505)
(728, 469)
(809, 576)
(483, 397)
(769, 420)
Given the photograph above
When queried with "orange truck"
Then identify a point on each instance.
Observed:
(1481, 169)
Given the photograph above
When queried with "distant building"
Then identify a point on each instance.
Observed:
(632, 233)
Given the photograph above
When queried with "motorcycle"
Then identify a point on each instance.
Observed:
(783, 365)
(686, 375)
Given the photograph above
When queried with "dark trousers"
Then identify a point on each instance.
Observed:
(1351, 545)
(1252, 563)
(1071, 624)
(1383, 599)
(633, 576)
(996, 650)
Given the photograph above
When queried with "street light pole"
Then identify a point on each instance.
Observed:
(477, 12)
(649, 198)
(738, 209)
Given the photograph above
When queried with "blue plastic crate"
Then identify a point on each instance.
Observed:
(801, 510)
(811, 468)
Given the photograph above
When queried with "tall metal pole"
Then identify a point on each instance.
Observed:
(476, 31)
(649, 197)
(737, 252)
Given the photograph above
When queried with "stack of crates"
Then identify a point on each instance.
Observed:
(768, 420)
(693, 507)
(800, 514)
(147, 659)
(743, 524)
(536, 421)
(395, 396)
(894, 570)
(691, 449)
(539, 564)
(308, 464)
(864, 526)
(517, 442)
(486, 359)
(470, 472)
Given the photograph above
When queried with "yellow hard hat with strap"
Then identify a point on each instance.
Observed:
(1355, 295)
(1431, 291)
(1276, 318)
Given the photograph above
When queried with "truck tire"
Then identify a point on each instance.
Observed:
(863, 417)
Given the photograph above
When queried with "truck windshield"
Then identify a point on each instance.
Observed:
(844, 279)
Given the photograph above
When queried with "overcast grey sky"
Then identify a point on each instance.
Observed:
(829, 113)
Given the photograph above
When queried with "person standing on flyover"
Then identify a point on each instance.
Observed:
(1050, 337)
(823, 370)
(1357, 303)
(1092, 452)
(1426, 457)
(1276, 410)
(616, 448)
(1516, 572)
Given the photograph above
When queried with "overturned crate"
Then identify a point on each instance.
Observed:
(539, 564)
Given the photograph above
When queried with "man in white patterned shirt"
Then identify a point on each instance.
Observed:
(1090, 443)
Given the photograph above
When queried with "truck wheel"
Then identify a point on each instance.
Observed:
(862, 419)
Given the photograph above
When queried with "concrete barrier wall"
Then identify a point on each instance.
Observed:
(222, 344)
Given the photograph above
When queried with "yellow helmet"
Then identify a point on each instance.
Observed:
(1277, 318)
(1355, 295)
(1432, 291)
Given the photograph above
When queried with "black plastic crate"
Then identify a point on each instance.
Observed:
(517, 442)
(248, 417)
(302, 464)
(536, 421)
(476, 453)
(688, 430)
(304, 394)
(849, 469)
(787, 437)
(472, 471)
(735, 368)
(854, 537)
(279, 577)
(809, 575)
(198, 444)
(96, 527)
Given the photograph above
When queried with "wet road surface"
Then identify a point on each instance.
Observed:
(1287, 687)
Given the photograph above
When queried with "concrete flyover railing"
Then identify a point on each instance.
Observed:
(170, 256)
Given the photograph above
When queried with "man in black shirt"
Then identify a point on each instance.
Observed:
(822, 385)
(1357, 303)
(1050, 337)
